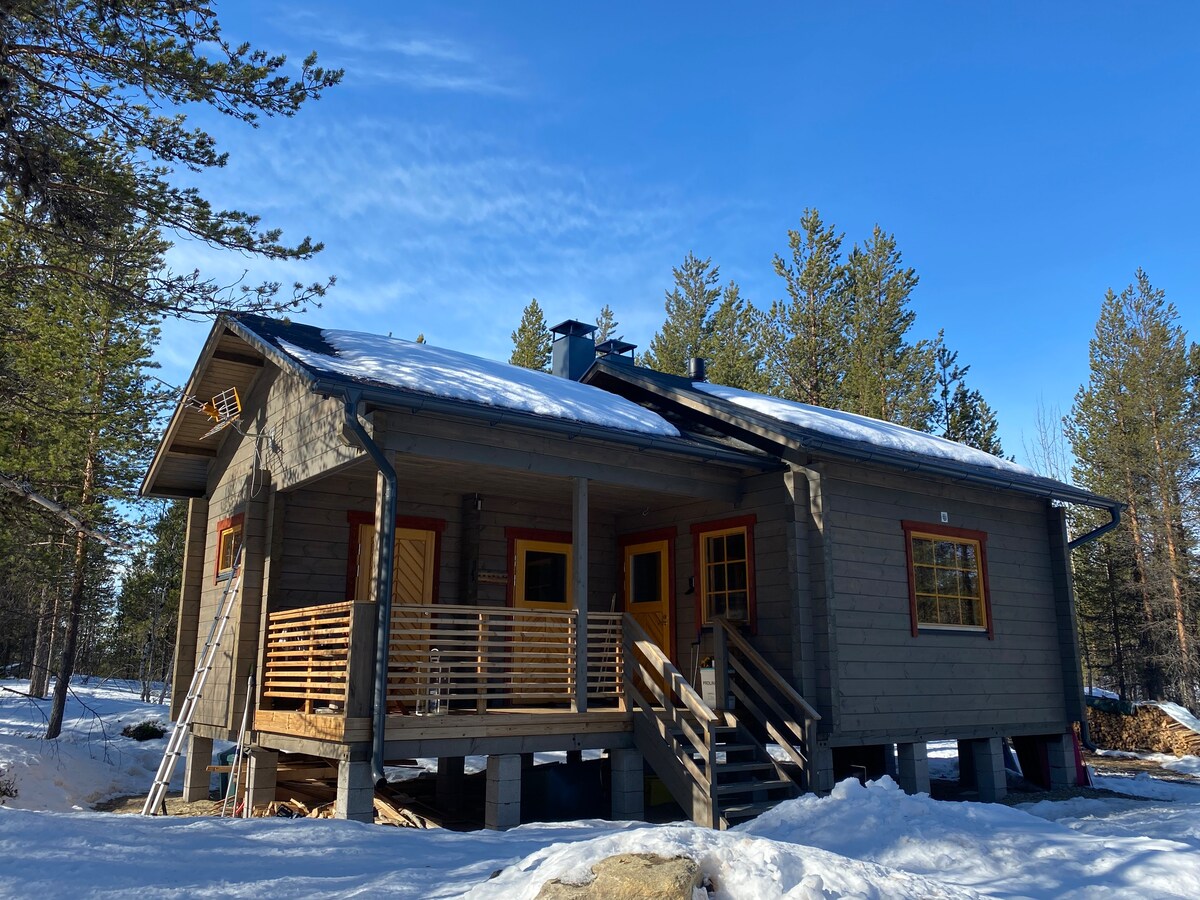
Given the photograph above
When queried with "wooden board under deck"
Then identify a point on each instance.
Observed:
(310, 725)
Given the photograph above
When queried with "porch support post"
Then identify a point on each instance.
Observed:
(912, 764)
(503, 801)
(628, 784)
(196, 777)
(579, 589)
(264, 771)
(449, 783)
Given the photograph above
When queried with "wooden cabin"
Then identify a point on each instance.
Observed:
(443, 556)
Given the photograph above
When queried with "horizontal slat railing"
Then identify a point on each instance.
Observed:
(306, 658)
(446, 658)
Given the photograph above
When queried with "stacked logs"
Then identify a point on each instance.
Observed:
(1147, 729)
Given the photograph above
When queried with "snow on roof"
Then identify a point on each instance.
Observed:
(849, 426)
(461, 376)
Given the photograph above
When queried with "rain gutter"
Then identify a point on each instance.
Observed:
(383, 575)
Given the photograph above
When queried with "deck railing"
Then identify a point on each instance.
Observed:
(445, 658)
(478, 658)
(306, 658)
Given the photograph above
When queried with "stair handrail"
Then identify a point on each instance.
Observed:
(734, 637)
(791, 730)
(674, 678)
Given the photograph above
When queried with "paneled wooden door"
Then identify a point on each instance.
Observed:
(648, 589)
(412, 564)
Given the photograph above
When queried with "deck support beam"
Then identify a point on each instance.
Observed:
(579, 588)
(912, 767)
(355, 786)
(503, 800)
(628, 784)
(196, 777)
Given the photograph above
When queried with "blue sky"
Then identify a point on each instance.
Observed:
(478, 155)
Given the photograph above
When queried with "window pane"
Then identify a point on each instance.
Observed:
(948, 612)
(735, 545)
(967, 555)
(545, 576)
(926, 580)
(947, 582)
(716, 578)
(970, 584)
(944, 553)
(736, 607)
(645, 582)
(716, 549)
(927, 609)
(736, 576)
(970, 612)
(922, 551)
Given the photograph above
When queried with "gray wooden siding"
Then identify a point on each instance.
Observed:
(940, 683)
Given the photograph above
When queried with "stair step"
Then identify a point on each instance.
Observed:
(744, 787)
(725, 768)
(743, 811)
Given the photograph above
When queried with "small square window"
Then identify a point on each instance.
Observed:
(229, 542)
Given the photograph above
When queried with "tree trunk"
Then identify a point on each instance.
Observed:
(39, 671)
(66, 663)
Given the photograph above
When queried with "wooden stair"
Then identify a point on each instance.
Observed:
(714, 764)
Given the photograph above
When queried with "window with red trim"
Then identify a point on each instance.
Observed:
(229, 541)
(724, 553)
(947, 578)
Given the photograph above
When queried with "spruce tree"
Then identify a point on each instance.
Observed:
(806, 335)
(734, 343)
(886, 377)
(532, 340)
(685, 332)
(961, 414)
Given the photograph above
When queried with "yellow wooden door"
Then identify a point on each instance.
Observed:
(412, 565)
(416, 681)
(541, 662)
(648, 590)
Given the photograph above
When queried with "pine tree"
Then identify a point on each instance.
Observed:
(734, 343)
(886, 377)
(606, 325)
(961, 414)
(531, 340)
(685, 332)
(80, 79)
(1135, 431)
(806, 335)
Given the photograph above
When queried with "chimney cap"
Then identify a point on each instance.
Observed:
(615, 346)
(697, 369)
(573, 328)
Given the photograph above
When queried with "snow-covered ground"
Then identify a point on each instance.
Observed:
(862, 842)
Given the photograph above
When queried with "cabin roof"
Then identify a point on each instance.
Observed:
(391, 372)
(777, 425)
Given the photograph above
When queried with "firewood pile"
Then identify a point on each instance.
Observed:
(1148, 728)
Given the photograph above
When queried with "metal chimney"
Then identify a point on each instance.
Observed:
(574, 349)
(696, 369)
(616, 350)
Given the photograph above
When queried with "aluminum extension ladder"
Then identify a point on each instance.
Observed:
(166, 769)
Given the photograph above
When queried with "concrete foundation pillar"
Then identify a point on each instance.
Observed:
(502, 808)
(1060, 753)
(196, 777)
(449, 782)
(628, 784)
(912, 768)
(355, 788)
(986, 758)
(264, 767)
